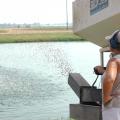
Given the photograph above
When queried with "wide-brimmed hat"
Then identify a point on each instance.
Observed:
(114, 39)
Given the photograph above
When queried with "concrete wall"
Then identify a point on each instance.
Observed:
(82, 111)
(85, 112)
(95, 26)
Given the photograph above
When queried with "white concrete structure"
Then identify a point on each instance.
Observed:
(82, 111)
(95, 19)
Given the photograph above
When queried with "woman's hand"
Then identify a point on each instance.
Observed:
(99, 70)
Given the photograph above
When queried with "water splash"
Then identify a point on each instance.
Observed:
(56, 56)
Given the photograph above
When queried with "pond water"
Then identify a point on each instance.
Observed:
(34, 78)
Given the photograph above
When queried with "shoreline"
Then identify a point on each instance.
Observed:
(17, 35)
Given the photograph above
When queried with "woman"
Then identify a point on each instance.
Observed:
(111, 80)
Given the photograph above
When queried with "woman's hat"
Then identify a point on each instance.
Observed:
(114, 39)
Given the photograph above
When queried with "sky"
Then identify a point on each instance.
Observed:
(35, 11)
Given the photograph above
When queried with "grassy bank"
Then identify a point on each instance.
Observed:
(37, 35)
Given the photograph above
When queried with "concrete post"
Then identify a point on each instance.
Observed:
(82, 111)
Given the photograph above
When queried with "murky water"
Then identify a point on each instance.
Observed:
(34, 78)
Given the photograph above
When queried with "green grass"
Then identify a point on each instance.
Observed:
(39, 37)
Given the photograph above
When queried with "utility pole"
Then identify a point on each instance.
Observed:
(66, 14)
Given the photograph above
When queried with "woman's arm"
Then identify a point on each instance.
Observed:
(108, 80)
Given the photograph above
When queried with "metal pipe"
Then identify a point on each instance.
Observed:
(102, 50)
